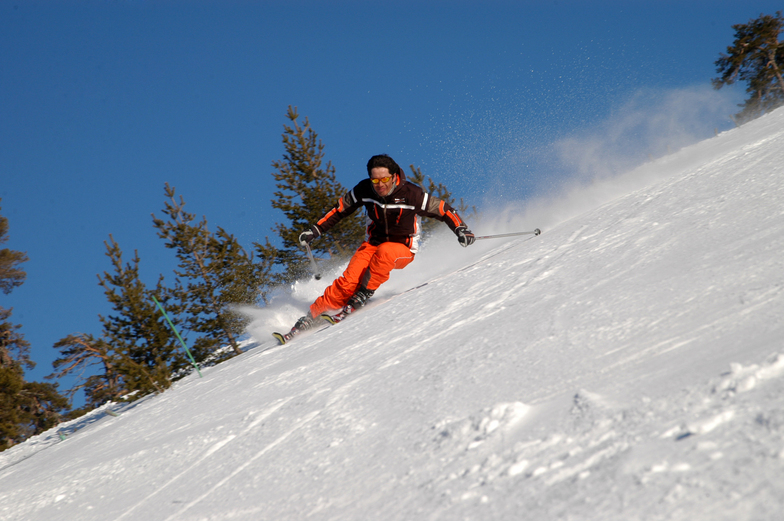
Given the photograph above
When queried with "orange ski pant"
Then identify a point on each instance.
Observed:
(369, 267)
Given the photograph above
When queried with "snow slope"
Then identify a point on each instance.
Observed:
(626, 364)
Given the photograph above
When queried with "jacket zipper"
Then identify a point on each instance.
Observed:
(386, 220)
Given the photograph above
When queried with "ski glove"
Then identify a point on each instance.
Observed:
(308, 235)
(464, 236)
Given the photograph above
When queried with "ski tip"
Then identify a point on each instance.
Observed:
(280, 338)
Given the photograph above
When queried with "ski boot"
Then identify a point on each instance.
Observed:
(303, 324)
(357, 300)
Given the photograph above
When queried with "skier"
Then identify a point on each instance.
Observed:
(393, 207)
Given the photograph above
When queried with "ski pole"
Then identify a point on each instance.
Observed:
(537, 231)
(312, 261)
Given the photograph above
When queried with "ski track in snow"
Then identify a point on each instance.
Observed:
(626, 364)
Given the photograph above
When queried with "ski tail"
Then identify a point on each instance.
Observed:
(284, 338)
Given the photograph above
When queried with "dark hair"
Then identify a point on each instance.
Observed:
(384, 161)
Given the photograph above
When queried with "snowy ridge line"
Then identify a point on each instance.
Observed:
(51, 437)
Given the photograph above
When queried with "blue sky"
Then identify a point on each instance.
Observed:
(101, 103)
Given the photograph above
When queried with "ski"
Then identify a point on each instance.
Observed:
(301, 326)
(285, 338)
(340, 316)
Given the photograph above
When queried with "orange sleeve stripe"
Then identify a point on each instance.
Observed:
(455, 219)
(326, 217)
(338, 208)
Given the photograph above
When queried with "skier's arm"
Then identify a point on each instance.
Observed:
(345, 206)
(441, 210)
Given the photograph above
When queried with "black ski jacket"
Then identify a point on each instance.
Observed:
(394, 218)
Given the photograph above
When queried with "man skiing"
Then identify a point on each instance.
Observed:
(393, 207)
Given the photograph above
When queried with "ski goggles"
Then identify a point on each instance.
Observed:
(381, 179)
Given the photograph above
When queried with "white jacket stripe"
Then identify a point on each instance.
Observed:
(385, 206)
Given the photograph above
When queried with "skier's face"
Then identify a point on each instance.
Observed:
(378, 174)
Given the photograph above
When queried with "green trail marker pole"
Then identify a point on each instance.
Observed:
(178, 335)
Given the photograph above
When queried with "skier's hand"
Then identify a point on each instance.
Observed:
(464, 236)
(308, 235)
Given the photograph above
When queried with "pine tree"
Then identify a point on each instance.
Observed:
(757, 58)
(265, 275)
(145, 350)
(81, 352)
(215, 275)
(11, 276)
(137, 354)
(306, 191)
(42, 408)
(26, 408)
(11, 385)
(14, 349)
